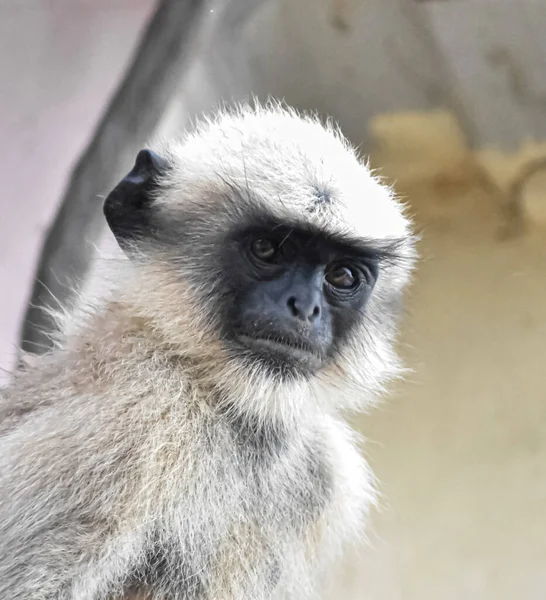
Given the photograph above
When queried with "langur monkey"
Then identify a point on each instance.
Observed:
(185, 439)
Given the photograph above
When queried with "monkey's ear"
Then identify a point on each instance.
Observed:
(128, 207)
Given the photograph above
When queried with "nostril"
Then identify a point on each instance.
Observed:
(292, 306)
(316, 313)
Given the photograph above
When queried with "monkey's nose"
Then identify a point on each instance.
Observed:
(304, 307)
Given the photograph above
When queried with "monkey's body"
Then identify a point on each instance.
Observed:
(129, 462)
(184, 441)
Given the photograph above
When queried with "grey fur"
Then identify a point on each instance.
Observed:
(140, 458)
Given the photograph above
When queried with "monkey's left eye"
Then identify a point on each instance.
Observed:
(265, 249)
(343, 277)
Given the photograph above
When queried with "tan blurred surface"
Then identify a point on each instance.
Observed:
(460, 450)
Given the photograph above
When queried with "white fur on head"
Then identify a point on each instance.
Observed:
(285, 160)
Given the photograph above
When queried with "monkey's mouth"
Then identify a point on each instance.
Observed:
(292, 351)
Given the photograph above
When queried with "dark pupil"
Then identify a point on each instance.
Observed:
(341, 277)
(264, 248)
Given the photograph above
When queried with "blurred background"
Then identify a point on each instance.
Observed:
(448, 97)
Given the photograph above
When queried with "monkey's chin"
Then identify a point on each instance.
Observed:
(281, 356)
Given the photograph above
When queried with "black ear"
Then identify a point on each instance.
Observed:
(128, 207)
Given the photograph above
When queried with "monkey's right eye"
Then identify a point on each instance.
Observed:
(264, 249)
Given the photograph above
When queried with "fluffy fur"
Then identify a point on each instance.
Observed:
(140, 457)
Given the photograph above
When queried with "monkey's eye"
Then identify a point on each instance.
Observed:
(265, 249)
(342, 277)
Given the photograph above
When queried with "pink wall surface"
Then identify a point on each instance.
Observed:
(60, 60)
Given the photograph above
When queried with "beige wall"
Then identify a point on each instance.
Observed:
(460, 450)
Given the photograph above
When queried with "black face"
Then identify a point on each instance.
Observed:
(293, 295)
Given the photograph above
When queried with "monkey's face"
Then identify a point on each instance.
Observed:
(284, 255)
(292, 295)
